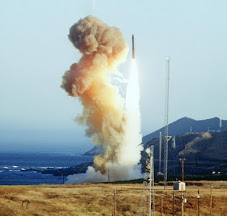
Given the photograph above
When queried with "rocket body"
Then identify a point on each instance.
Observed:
(133, 48)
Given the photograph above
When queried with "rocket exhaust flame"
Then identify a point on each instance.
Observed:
(107, 116)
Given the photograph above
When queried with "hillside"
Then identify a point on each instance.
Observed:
(205, 146)
(179, 127)
(205, 151)
(186, 124)
(94, 151)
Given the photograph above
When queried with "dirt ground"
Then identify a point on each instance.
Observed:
(98, 199)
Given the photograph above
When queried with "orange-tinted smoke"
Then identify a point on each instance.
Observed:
(102, 48)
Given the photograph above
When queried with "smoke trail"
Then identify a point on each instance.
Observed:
(104, 113)
(133, 135)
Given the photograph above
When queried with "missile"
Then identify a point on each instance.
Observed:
(133, 48)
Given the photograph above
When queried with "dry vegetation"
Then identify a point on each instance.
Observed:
(97, 199)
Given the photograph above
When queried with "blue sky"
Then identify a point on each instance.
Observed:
(35, 52)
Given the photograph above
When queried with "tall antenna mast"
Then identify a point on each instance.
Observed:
(167, 137)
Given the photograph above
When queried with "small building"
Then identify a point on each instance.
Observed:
(180, 186)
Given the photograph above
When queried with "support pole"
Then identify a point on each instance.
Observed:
(150, 192)
(160, 154)
(182, 203)
(182, 167)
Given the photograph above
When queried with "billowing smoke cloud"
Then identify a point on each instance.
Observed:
(104, 112)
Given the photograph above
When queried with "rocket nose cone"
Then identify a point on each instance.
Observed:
(133, 47)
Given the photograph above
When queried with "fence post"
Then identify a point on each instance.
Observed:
(161, 205)
(173, 203)
(198, 196)
(211, 199)
(182, 203)
(115, 205)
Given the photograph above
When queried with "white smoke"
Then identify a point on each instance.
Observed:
(115, 173)
(129, 155)
(110, 119)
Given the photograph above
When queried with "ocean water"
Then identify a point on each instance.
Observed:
(12, 164)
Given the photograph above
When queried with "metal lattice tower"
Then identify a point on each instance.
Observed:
(147, 202)
(167, 137)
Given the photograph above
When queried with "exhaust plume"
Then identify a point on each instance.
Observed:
(105, 113)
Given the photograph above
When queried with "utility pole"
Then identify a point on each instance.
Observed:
(167, 137)
(182, 167)
(182, 203)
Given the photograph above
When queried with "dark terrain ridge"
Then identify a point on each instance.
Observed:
(186, 124)
(181, 127)
(203, 143)
(204, 152)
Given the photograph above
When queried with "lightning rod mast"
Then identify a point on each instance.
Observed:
(167, 137)
(160, 154)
